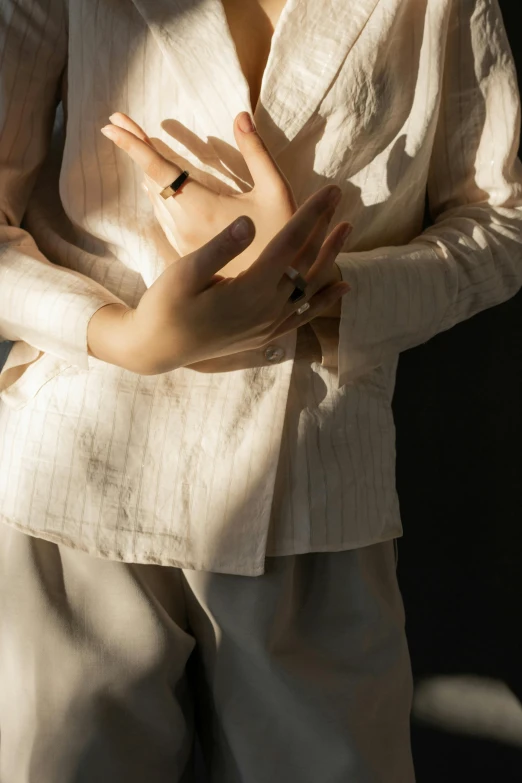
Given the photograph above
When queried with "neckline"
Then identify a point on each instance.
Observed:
(229, 41)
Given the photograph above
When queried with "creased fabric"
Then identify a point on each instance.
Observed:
(390, 100)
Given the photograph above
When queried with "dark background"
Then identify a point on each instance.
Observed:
(457, 405)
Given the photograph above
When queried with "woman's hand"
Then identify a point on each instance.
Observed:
(191, 314)
(195, 214)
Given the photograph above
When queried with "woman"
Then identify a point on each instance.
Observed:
(197, 480)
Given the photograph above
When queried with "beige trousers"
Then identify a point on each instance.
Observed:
(300, 675)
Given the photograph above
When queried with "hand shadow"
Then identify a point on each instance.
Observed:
(205, 151)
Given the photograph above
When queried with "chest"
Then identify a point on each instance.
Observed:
(251, 24)
(340, 99)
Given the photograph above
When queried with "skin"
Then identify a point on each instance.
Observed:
(251, 24)
(190, 314)
(196, 215)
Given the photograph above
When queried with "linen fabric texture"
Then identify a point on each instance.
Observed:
(393, 101)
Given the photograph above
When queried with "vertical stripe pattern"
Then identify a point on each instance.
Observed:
(214, 471)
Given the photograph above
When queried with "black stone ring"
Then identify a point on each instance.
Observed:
(297, 294)
(178, 182)
(300, 284)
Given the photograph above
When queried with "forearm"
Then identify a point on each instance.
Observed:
(470, 259)
(402, 296)
(44, 307)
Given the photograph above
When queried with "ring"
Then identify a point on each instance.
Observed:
(178, 182)
(300, 284)
(297, 294)
(303, 308)
(294, 275)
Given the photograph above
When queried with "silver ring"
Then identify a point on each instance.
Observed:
(303, 308)
(294, 275)
(291, 272)
(300, 284)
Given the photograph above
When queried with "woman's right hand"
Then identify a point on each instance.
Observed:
(191, 313)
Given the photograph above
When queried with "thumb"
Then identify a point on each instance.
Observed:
(214, 255)
(264, 170)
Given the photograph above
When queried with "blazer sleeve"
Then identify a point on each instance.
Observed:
(45, 306)
(470, 259)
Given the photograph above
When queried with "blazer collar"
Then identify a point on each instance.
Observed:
(309, 44)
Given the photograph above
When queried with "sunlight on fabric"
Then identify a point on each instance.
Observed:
(470, 705)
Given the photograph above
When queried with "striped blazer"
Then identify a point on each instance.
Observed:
(392, 100)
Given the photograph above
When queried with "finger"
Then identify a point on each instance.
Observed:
(125, 122)
(201, 267)
(331, 248)
(321, 301)
(325, 259)
(305, 257)
(160, 171)
(164, 219)
(268, 269)
(315, 257)
(265, 172)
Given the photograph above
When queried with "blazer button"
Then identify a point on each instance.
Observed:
(274, 353)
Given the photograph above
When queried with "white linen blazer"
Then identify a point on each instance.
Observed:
(392, 100)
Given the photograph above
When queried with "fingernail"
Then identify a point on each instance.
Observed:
(246, 123)
(109, 131)
(240, 229)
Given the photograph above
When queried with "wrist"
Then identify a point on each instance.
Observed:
(109, 335)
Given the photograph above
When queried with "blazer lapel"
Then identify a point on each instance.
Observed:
(309, 44)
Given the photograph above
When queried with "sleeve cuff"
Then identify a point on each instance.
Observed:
(27, 368)
(397, 299)
(46, 308)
